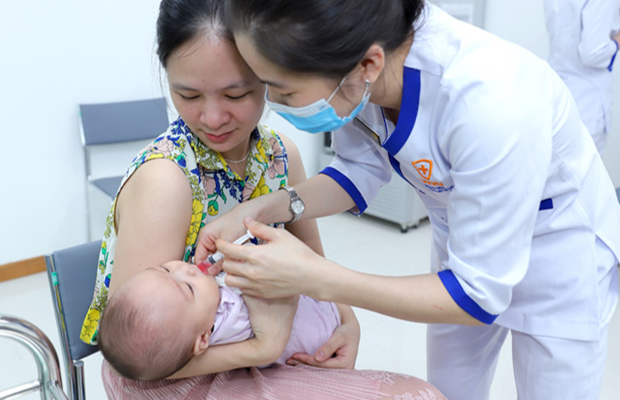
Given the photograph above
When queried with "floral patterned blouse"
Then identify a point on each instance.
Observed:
(216, 189)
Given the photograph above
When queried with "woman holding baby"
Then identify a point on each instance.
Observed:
(213, 157)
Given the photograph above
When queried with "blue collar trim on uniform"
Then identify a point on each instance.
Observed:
(611, 65)
(409, 106)
(396, 166)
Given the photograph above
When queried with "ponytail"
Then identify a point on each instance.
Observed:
(411, 11)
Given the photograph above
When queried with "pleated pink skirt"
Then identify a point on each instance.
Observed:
(279, 382)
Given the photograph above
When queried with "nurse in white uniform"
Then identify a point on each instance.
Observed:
(525, 222)
(583, 42)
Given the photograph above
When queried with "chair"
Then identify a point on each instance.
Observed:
(49, 383)
(72, 274)
(112, 134)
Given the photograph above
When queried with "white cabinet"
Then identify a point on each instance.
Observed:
(470, 11)
(396, 202)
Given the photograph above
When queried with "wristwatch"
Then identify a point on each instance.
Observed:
(296, 206)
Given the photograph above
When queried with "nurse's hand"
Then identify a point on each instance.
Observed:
(271, 321)
(340, 351)
(281, 267)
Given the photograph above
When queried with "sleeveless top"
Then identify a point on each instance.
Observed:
(216, 189)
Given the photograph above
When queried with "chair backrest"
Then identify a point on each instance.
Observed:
(120, 122)
(112, 134)
(72, 274)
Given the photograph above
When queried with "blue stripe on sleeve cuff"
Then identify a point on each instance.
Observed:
(611, 65)
(347, 185)
(462, 299)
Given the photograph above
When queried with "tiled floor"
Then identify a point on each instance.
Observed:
(386, 343)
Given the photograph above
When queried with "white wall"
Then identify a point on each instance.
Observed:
(523, 22)
(53, 56)
(57, 54)
(309, 145)
(611, 157)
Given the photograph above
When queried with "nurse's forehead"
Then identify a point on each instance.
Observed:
(266, 71)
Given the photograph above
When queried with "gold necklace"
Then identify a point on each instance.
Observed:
(237, 161)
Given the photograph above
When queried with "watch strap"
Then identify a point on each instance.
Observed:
(293, 197)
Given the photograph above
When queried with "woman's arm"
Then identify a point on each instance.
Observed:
(596, 47)
(271, 323)
(340, 351)
(305, 229)
(266, 271)
(322, 195)
(343, 344)
(153, 216)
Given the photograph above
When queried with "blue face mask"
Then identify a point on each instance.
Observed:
(319, 116)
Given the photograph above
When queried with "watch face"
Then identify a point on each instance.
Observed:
(298, 206)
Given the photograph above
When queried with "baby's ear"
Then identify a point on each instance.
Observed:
(202, 343)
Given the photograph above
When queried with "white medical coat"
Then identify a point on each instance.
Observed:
(516, 192)
(582, 52)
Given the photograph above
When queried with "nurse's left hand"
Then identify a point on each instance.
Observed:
(281, 267)
(340, 351)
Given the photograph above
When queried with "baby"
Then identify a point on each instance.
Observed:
(162, 317)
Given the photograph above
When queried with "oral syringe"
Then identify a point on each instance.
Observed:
(218, 255)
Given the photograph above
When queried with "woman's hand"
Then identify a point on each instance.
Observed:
(271, 323)
(282, 267)
(340, 351)
(228, 227)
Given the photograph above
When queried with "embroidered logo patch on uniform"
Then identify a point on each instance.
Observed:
(424, 168)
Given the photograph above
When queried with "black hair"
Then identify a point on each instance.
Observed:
(180, 21)
(324, 37)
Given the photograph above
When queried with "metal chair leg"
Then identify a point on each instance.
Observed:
(77, 389)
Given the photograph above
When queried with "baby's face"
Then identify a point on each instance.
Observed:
(189, 297)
